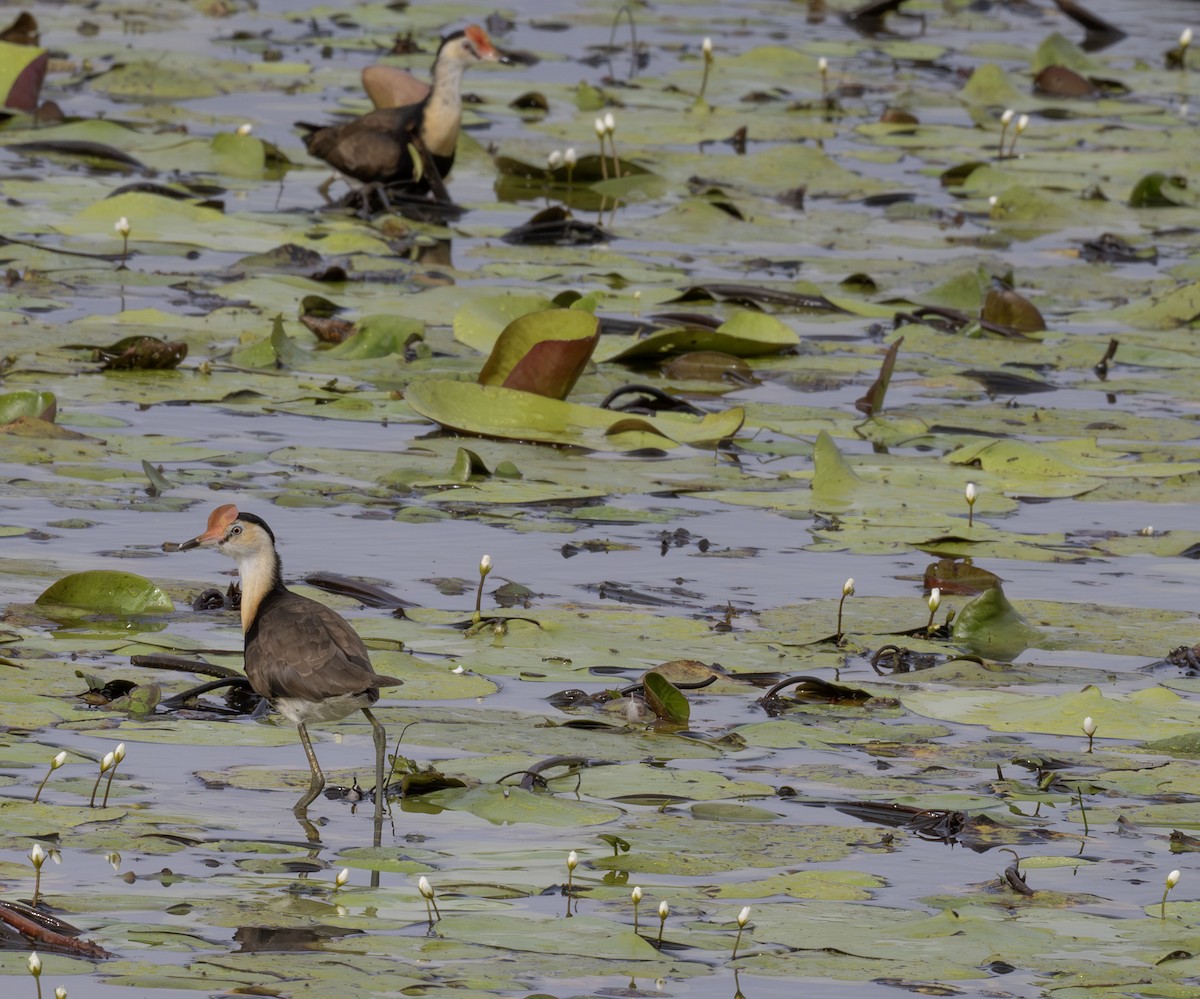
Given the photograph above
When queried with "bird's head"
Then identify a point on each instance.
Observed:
(470, 45)
(241, 536)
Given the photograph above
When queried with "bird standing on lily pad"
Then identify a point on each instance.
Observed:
(411, 146)
(304, 658)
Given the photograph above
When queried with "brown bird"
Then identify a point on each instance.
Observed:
(414, 144)
(304, 658)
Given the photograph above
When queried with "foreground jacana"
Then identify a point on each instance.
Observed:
(414, 144)
(304, 658)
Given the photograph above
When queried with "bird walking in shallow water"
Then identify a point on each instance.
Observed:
(304, 658)
(412, 145)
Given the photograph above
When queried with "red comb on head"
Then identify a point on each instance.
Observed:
(479, 38)
(222, 517)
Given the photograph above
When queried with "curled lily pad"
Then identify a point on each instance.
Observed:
(105, 591)
(990, 626)
(543, 352)
(22, 70)
(665, 699)
(28, 403)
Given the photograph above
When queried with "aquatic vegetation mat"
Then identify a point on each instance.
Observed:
(823, 396)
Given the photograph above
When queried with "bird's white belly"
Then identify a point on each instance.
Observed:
(299, 711)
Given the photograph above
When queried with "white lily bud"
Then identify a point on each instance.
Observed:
(822, 65)
(1173, 879)
(122, 226)
(119, 752)
(971, 493)
(342, 877)
(664, 910)
(58, 760)
(37, 856)
(485, 565)
(60, 992)
(1089, 726)
(706, 48)
(636, 894)
(245, 128)
(569, 157)
(743, 917)
(108, 762)
(598, 125)
(572, 860)
(1185, 38)
(1022, 123)
(35, 965)
(424, 887)
(555, 159)
(935, 599)
(848, 587)
(610, 123)
(1008, 116)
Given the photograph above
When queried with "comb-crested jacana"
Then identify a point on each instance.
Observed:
(304, 658)
(383, 147)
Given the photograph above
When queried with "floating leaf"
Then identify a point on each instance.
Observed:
(745, 334)
(378, 336)
(106, 591)
(1161, 190)
(491, 411)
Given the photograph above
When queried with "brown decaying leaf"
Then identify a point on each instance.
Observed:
(1061, 81)
(872, 402)
(145, 353)
(330, 330)
(22, 31)
(1005, 307)
(958, 576)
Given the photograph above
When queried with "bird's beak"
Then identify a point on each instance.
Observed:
(218, 521)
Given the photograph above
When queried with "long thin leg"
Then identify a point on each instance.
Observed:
(318, 778)
(380, 736)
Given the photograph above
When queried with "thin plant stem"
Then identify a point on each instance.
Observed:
(95, 788)
(42, 785)
(108, 787)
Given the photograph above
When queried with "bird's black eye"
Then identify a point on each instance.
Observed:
(235, 530)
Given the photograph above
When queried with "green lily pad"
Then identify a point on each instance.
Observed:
(745, 334)
(106, 591)
(491, 411)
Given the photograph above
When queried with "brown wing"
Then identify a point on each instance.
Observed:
(371, 148)
(298, 647)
